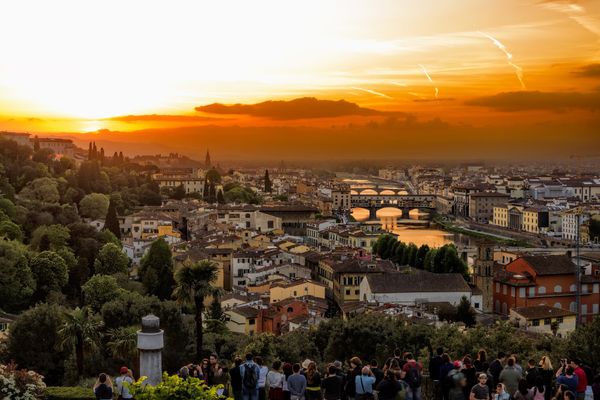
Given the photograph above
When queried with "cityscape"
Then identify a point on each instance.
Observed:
(396, 204)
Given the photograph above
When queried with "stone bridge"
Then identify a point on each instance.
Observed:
(373, 200)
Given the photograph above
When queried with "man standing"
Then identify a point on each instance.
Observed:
(581, 378)
(296, 384)
(496, 367)
(435, 363)
(236, 379)
(413, 377)
(532, 373)
(263, 370)
(332, 385)
(249, 372)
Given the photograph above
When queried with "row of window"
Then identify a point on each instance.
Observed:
(542, 289)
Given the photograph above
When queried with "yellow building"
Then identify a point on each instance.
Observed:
(544, 319)
(243, 320)
(302, 287)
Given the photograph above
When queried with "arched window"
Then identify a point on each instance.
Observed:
(557, 289)
(542, 290)
(573, 307)
(573, 288)
(557, 305)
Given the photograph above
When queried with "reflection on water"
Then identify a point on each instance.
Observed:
(391, 219)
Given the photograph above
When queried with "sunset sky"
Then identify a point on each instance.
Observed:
(73, 66)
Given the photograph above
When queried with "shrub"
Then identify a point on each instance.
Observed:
(173, 387)
(20, 383)
(69, 392)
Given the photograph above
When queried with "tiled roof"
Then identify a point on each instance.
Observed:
(415, 283)
(542, 311)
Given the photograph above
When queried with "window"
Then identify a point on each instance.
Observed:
(559, 320)
(557, 289)
(497, 287)
(347, 292)
(270, 224)
(476, 305)
(512, 291)
(573, 288)
(573, 307)
(547, 321)
(557, 305)
(522, 292)
(532, 291)
(535, 322)
(251, 321)
(542, 290)
(356, 292)
(290, 309)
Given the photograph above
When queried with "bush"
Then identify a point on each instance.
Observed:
(173, 387)
(20, 384)
(71, 393)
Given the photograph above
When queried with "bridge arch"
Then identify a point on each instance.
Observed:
(368, 192)
(387, 192)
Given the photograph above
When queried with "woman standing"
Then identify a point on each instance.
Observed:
(274, 382)
(547, 373)
(103, 389)
(313, 382)
(389, 387)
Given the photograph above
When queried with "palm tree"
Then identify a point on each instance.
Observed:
(193, 285)
(122, 342)
(80, 331)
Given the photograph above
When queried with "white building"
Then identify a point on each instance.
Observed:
(417, 286)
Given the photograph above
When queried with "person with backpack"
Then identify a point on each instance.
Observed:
(364, 385)
(296, 383)
(122, 381)
(413, 377)
(249, 372)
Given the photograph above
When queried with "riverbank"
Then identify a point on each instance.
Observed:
(448, 226)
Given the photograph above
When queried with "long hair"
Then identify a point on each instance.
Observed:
(545, 363)
(310, 371)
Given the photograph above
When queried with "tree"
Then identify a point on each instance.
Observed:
(268, 184)
(16, 280)
(50, 237)
(10, 231)
(213, 176)
(178, 193)
(44, 190)
(194, 284)
(122, 343)
(156, 270)
(421, 255)
(212, 195)
(464, 312)
(411, 258)
(100, 289)
(215, 317)
(34, 339)
(50, 273)
(36, 144)
(220, 196)
(111, 221)
(111, 260)
(94, 205)
(79, 331)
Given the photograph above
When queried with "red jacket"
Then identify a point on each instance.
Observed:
(581, 380)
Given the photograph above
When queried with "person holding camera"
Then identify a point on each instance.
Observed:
(565, 376)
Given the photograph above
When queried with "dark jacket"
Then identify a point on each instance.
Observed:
(388, 389)
(434, 367)
(332, 387)
(351, 381)
(103, 392)
(236, 378)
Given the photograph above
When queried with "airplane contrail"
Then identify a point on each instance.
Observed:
(373, 92)
(509, 56)
(437, 92)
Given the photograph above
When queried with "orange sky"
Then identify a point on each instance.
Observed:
(70, 66)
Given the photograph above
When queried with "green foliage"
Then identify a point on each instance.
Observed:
(156, 270)
(69, 393)
(79, 332)
(33, 342)
(50, 273)
(127, 309)
(100, 289)
(111, 260)
(122, 343)
(11, 231)
(235, 193)
(94, 205)
(44, 190)
(16, 280)
(7, 207)
(583, 343)
(50, 237)
(213, 176)
(465, 313)
(173, 387)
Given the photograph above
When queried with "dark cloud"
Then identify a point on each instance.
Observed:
(164, 118)
(588, 71)
(302, 108)
(535, 100)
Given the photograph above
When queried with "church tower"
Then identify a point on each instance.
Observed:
(207, 162)
(483, 274)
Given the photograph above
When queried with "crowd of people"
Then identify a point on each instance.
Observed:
(400, 378)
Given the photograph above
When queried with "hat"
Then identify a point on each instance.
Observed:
(457, 364)
(305, 363)
(124, 370)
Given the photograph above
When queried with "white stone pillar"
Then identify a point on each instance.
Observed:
(150, 344)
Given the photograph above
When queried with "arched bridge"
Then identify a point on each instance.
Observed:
(405, 202)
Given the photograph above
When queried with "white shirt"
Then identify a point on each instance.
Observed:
(275, 379)
(262, 376)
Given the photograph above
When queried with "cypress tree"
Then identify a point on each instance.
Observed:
(111, 222)
(220, 197)
(36, 143)
(268, 184)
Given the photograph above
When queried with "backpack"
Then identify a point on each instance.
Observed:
(537, 395)
(413, 377)
(250, 378)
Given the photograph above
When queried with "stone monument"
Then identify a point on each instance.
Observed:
(150, 344)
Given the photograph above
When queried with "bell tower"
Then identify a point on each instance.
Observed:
(483, 274)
